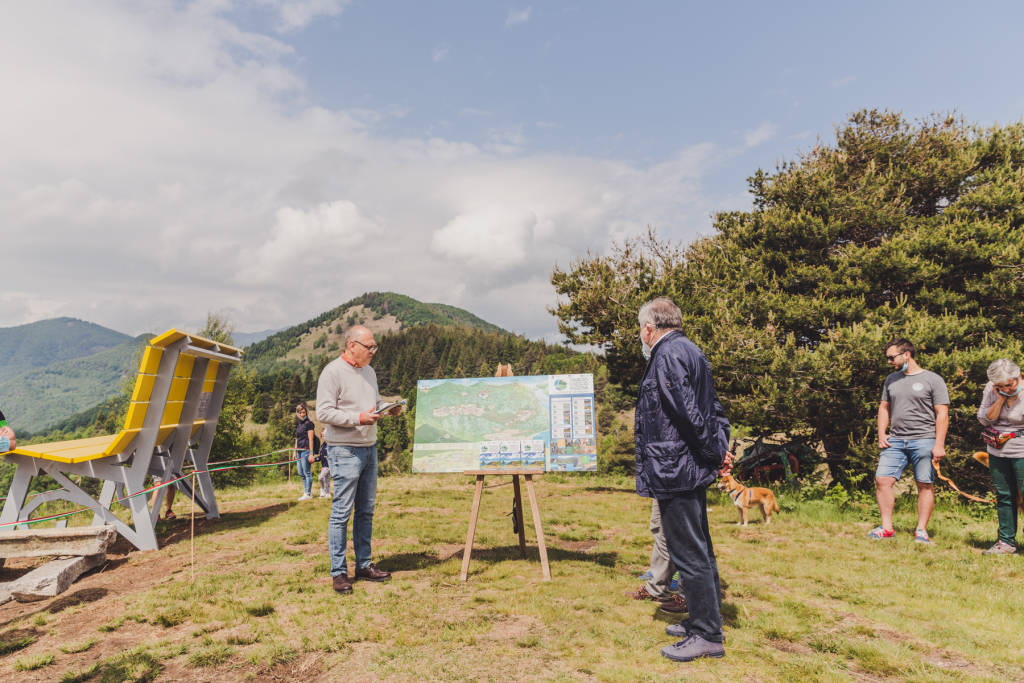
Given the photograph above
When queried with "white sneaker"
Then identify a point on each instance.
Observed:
(305, 496)
(324, 494)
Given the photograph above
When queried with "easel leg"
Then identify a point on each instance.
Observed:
(474, 512)
(535, 510)
(517, 505)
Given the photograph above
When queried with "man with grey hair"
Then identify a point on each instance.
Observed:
(1002, 411)
(682, 437)
(346, 403)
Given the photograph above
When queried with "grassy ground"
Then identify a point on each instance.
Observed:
(806, 597)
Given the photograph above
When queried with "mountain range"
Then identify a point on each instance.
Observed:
(53, 370)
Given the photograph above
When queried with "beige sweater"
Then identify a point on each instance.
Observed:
(1011, 419)
(342, 393)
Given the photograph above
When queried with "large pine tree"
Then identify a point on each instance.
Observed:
(896, 229)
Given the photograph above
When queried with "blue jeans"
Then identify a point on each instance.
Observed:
(354, 472)
(684, 519)
(305, 472)
(901, 452)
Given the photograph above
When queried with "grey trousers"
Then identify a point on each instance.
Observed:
(661, 566)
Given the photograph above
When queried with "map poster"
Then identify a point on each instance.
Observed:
(496, 423)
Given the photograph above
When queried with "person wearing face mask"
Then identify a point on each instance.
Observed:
(1002, 407)
(681, 436)
(915, 412)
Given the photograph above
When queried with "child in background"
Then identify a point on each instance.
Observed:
(324, 480)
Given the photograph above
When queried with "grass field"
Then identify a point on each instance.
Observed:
(808, 597)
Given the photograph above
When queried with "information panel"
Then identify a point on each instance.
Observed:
(538, 421)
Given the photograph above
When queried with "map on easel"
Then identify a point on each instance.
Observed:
(499, 423)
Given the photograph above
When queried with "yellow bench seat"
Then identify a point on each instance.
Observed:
(82, 450)
(77, 450)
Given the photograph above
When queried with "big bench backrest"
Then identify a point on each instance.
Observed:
(185, 389)
(174, 409)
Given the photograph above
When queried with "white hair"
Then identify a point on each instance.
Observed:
(1002, 371)
(662, 313)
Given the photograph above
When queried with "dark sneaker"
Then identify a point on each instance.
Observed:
(342, 584)
(1001, 548)
(371, 573)
(674, 604)
(678, 631)
(693, 647)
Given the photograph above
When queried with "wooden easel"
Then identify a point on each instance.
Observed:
(517, 503)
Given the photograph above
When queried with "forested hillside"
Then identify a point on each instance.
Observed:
(38, 344)
(424, 352)
(40, 398)
(381, 311)
(417, 341)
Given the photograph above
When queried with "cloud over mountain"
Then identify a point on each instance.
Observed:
(163, 160)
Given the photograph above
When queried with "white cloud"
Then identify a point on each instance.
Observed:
(303, 241)
(162, 162)
(490, 238)
(440, 53)
(763, 133)
(516, 17)
(297, 14)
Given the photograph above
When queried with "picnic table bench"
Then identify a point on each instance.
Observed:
(173, 415)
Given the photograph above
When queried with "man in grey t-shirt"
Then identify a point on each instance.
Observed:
(915, 413)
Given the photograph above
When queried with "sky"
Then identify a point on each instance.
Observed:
(269, 160)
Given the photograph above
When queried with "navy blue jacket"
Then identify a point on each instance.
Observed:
(681, 432)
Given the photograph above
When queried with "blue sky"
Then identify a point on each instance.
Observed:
(273, 159)
(638, 80)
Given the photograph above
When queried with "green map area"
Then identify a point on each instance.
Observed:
(485, 410)
(454, 416)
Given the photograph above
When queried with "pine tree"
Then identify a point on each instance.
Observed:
(897, 229)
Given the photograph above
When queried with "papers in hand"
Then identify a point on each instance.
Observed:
(385, 407)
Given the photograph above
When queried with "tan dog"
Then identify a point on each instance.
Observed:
(744, 498)
(503, 370)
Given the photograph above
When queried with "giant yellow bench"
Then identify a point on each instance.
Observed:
(173, 414)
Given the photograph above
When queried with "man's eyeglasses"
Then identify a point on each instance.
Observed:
(371, 349)
(892, 358)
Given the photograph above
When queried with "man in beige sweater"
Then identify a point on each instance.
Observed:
(346, 400)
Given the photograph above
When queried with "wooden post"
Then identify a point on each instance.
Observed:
(473, 514)
(517, 507)
(535, 510)
(517, 501)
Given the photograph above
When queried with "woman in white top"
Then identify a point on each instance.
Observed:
(1002, 408)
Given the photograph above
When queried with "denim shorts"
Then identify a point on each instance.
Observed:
(901, 452)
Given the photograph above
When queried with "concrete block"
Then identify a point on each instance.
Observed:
(78, 541)
(53, 578)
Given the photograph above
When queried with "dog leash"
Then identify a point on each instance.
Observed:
(949, 481)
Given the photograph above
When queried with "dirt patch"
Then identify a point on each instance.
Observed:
(446, 551)
(512, 628)
(307, 667)
(791, 647)
(579, 546)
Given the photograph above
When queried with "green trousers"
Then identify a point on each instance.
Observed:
(1008, 482)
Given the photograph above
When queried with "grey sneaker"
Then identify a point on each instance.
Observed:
(681, 631)
(677, 630)
(691, 648)
(1001, 548)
